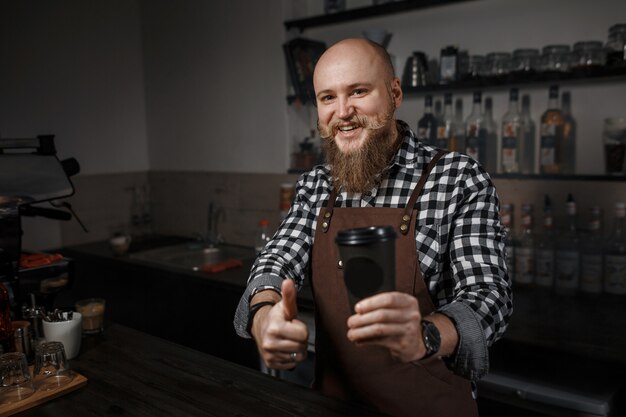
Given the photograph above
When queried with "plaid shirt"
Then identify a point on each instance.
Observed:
(458, 236)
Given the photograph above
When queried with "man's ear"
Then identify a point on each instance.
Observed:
(396, 92)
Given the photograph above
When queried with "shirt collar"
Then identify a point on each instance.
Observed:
(410, 149)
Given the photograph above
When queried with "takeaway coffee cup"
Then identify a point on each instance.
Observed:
(368, 257)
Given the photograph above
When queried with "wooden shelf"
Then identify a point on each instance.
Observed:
(366, 12)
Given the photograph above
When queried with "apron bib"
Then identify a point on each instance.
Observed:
(368, 374)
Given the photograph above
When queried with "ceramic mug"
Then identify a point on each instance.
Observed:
(68, 332)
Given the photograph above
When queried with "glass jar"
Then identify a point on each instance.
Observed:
(474, 67)
(555, 58)
(525, 60)
(616, 46)
(588, 53)
(497, 63)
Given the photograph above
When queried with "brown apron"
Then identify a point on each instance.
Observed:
(368, 374)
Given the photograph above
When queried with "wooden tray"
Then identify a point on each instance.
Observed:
(40, 397)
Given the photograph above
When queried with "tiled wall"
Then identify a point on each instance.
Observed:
(179, 204)
(180, 201)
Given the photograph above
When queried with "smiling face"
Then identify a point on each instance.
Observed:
(357, 94)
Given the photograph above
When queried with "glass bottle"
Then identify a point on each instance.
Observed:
(529, 132)
(525, 250)
(475, 133)
(511, 136)
(552, 124)
(262, 236)
(459, 123)
(569, 135)
(446, 127)
(544, 249)
(568, 253)
(615, 254)
(506, 218)
(591, 271)
(491, 128)
(427, 125)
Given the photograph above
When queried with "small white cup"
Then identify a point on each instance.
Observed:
(67, 332)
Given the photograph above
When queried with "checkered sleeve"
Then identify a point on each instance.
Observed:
(482, 298)
(287, 254)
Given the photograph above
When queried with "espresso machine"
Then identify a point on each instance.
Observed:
(32, 177)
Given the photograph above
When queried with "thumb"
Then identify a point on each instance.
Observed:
(290, 309)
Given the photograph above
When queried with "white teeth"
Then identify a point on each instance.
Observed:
(347, 128)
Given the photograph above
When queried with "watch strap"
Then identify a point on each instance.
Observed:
(253, 310)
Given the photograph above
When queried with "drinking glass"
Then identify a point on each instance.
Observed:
(52, 369)
(17, 383)
(92, 310)
(556, 58)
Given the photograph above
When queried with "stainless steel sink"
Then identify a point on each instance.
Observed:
(193, 256)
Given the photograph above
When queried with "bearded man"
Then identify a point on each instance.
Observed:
(412, 351)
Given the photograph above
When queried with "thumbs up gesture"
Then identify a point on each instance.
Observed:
(281, 338)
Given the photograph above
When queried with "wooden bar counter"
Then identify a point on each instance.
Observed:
(134, 374)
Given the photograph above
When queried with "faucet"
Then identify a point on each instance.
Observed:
(213, 237)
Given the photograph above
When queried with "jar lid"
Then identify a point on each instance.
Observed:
(587, 45)
(555, 49)
(525, 52)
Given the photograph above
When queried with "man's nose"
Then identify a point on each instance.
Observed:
(345, 109)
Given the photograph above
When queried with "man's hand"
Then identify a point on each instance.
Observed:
(278, 333)
(392, 320)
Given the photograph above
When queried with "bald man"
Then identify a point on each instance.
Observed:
(415, 350)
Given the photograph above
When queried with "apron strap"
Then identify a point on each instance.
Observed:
(408, 210)
(327, 212)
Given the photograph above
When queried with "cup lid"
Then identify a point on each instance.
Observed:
(365, 235)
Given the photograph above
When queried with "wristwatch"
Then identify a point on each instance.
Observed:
(253, 310)
(432, 338)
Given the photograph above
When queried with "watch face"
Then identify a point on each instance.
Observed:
(432, 338)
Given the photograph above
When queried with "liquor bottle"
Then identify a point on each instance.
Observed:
(591, 265)
(544, 249)
(262, 236)
(525, 250)
(438, 109)
(7, 343)
(512, 138)
(615, 254)
(569, 134)
(529, 132)
(491, 164)
(552, 124)
(427, 125)
(475, 134)
(568, 253)
(459, 123)
(446, 127)
(506, 218)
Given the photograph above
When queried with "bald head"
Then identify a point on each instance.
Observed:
(359, 52)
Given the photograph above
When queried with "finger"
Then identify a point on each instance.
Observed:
(377, 332)
(385, 315)
(290, 309)
(385, 300)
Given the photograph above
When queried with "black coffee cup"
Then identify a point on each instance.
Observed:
(368, 257)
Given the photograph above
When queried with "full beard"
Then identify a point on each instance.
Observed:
(360, 170)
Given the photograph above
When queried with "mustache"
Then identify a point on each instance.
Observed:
(357, 120)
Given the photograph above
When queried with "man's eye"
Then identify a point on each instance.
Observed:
(326, 98)
(359, 92)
